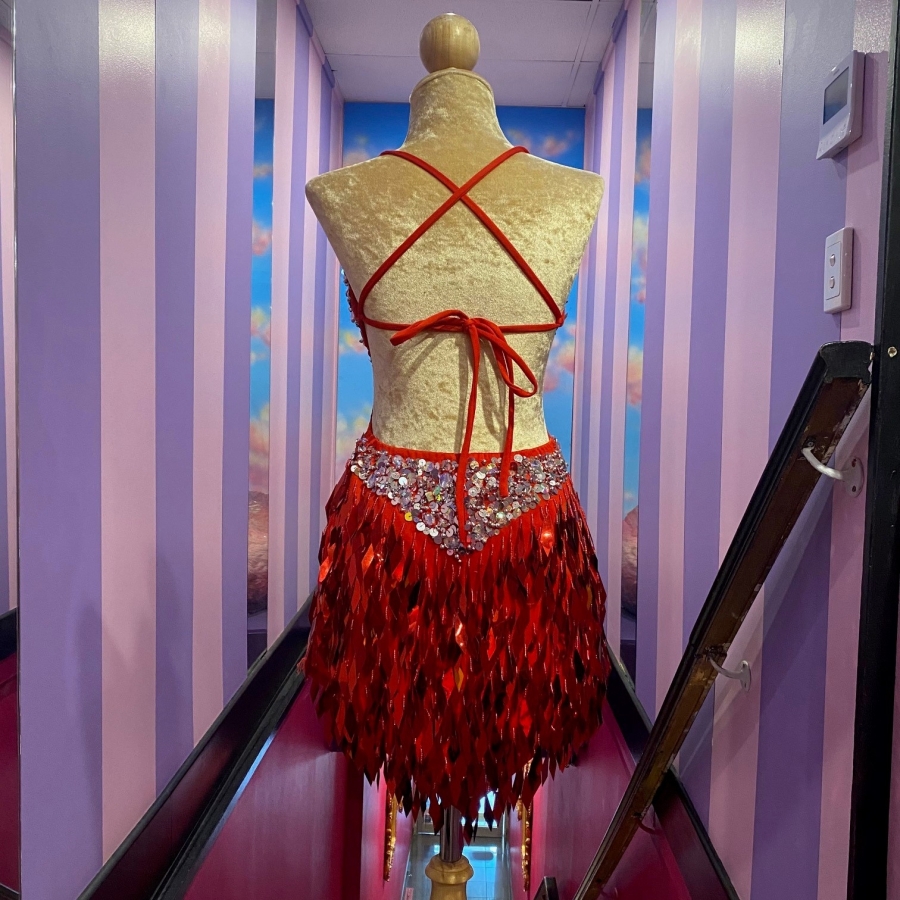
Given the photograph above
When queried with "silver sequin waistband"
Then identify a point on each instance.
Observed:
(425, 490)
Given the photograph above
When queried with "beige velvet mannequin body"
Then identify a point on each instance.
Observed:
(546, 210)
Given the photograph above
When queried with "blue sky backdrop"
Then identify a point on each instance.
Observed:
(261, 298)
(636, 310)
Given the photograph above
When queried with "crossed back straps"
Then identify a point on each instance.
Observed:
(456, 321)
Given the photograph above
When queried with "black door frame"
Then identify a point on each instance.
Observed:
(876, 671)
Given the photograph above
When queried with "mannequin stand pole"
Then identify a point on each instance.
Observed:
(450, 870)
(451, 836)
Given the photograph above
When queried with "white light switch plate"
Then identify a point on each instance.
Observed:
(838, 270)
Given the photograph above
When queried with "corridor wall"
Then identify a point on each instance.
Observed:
(135, 124)
(134, 174)
(739, 210)
(304, 330)
(8, 488)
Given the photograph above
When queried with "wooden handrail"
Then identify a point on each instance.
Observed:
(834, 387)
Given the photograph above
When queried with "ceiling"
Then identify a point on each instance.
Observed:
(533, 52)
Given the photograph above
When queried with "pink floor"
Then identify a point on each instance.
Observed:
(295, 831)
(298, 827)
(571, 815)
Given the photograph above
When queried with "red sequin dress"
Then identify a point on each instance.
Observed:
(457, 622)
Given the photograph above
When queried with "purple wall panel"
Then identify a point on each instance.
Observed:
(176, 166)
(811, 196)
(236, 444)
(792, 705)
(295, 281)
(704, 428)
(777, 758)
(601, 538)
(57, 84)
(69, 737)
(811, 204)
(651, 385)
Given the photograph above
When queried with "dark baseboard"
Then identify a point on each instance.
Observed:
(140, 865)
(7, 893)
(9, 635)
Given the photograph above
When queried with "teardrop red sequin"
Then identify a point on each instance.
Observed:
(452, 675)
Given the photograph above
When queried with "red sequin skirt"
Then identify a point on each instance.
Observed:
(456, 671)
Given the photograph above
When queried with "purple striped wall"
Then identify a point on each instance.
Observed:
(755, 146)
(8, 525)
(602, 351)
(707, 353)
(738, 216)
(308, 109)
(651, 385)
(176, 166)
(134, 243)
(608, 286)
(60, 683)
(235, 426)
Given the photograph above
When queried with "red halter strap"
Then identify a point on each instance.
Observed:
(456, 321)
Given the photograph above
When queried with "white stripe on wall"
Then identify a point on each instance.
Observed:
(128, 412)
(7, 265)
(332, 299)
(595, 339)
(213, 89)
(306, 527)
(577, 463)
(285, 61)
(755, 147)
(677, 339)
(622, 302)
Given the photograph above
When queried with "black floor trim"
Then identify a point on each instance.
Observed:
(141, 864)
(877, 653)
(9, 635)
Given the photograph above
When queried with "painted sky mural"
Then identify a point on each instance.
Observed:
(633, 383)
(260, 361)
(369, 128)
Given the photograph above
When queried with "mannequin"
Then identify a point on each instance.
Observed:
(457, 623)
(366, 210)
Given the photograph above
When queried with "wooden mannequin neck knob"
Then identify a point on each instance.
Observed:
(449, 42)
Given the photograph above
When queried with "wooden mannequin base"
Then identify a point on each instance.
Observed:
(448, 880)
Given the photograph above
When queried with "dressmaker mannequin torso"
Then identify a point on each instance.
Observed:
(457, 622)
(367, 210)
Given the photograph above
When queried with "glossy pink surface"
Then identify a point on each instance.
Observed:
(372, 885)
(571, 817)
(295, 831)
